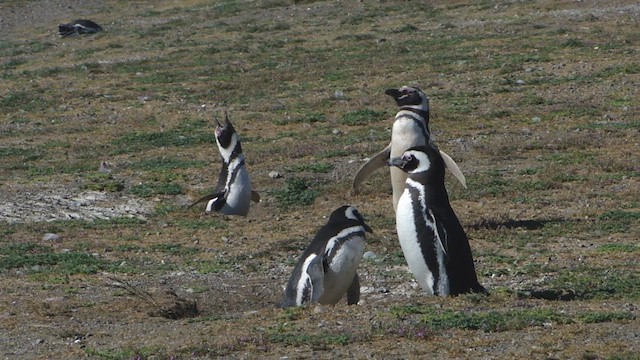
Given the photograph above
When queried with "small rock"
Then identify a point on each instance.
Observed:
(51, 237)
(319, 309)
(336, 132)
(369, 255)
(528, 70)
(275, 175)
(536, 119)
(520, 82)
(38, 341)
(338, 94)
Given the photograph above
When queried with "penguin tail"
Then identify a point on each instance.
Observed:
(479, 289)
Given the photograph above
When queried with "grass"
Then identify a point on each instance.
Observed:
(297, 191)
(36, 258)
(550, 208)
(437, 320)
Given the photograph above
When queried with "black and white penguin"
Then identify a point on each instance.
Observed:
(410, 128)
(233, 193)
(327, 268)
(78, 27)
(433, 242)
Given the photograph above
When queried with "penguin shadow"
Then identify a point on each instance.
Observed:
(538, 292)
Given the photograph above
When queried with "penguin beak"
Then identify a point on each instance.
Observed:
(397, 162)
(367, 228)
(394, 93)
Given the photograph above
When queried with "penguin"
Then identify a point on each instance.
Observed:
(233, 193)
(410, 128)
(434, 243)
(78, 27)
(327, 268)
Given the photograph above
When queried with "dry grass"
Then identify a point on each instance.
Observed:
(537, 101)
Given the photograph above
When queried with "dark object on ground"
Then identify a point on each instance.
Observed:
(78, 27)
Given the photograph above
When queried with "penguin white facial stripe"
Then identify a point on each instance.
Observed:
(424, 163)
(305, 287)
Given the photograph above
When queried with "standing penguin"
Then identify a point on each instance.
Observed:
(410, 128)
(433, 242)
(233, 194)
(327, 268)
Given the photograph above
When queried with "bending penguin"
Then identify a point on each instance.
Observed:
(78, 27)
(233, 193)
(434, 244)
(327, 268)
(410, 128)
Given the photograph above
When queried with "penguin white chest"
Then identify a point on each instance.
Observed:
(408, 234)
(406, 133)
(238, 188)
(342, 266)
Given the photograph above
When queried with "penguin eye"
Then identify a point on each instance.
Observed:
(407, 157)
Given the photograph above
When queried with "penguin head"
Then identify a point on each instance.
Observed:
(226, 136)
(348, 213)
(409, 97)
(418, 159)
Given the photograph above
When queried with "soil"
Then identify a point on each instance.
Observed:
(232, 312)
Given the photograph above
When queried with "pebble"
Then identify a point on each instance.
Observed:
(275, 175)
(369, 255)
(536, 119)
(51, 237)
(338, 94)
(520, 82)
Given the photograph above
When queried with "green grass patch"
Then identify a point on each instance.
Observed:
(175, 249)
(618, 248)
(297, 191)
(152, 189)
(39, 258)
(495, 321)
(362, 117)
(616, 221)
(181, 136)
(313, 117)
(315, 167)
(165, 164)
(102, 182)
(316, 341)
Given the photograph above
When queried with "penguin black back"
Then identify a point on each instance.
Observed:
(79, 27)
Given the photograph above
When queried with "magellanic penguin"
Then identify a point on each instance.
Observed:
(78, 27)
(410, 128)
(233, 193)
(433, 242)
(327, 268)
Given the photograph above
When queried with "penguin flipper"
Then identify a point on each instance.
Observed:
(353, 293)
(453, 167)
(255, 197)
(379, 160)
(209, 197)
(440, 234)
(316, 275)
